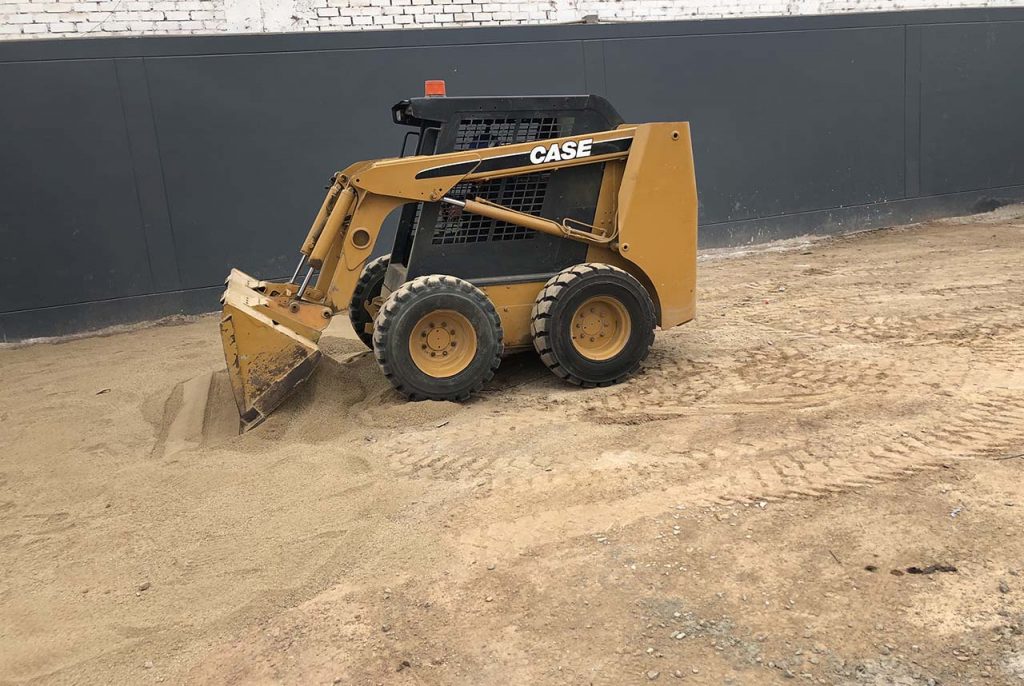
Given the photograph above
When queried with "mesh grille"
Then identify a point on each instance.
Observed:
(475, 133)
(524, 193)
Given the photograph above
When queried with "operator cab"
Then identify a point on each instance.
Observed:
(438, 238)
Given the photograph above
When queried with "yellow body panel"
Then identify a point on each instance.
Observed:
(514, 303)
(657, 217)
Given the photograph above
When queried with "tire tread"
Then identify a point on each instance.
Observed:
(540, 322)
(356, 309)
(419, 287)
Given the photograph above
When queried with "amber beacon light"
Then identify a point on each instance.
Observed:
(434, 88)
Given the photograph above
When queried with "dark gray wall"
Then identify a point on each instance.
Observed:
(137, 171)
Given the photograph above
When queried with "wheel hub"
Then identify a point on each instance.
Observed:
(600, 328)
(442, 343)
(438, 338)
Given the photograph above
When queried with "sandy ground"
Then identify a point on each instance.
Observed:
(751, 509)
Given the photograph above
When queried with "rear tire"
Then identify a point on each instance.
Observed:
(593, 324)
(438, 338)
(367, 288)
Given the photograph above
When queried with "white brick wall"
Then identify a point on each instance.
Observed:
(58, 18)
(63, 18)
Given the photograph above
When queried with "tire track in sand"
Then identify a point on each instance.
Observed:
(773, 471)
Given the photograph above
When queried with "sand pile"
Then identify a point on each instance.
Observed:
(347, 393)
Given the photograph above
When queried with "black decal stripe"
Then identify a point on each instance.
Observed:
(503, 162)
(456, 169)
(610, 147)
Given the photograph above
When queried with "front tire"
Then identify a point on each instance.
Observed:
(593, 324)
(438, 338)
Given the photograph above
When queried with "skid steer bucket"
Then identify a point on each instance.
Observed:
(266, 359)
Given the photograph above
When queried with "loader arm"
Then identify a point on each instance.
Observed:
(383, 185)
(270, 330)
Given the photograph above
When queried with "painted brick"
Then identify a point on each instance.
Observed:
(57, 18)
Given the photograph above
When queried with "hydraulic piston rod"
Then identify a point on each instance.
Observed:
(548, 226)
(332, 227)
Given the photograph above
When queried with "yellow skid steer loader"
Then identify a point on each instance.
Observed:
(540, 222)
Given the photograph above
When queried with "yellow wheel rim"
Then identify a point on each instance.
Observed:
(600, 328)
(442, 344)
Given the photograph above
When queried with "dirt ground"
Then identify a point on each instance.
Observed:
(818, 481)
